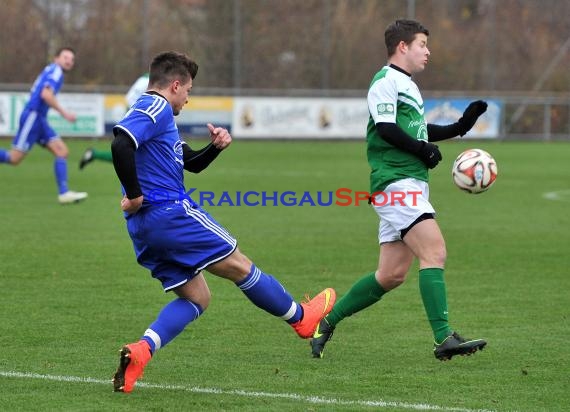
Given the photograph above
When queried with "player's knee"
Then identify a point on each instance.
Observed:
(235, 267)
(436, 258)
(204, 300)
(393, 279)
(62, 152)
(16, 158)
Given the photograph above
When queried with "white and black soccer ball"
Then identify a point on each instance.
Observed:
(474, 171)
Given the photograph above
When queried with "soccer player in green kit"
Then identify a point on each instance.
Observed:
(400, 152)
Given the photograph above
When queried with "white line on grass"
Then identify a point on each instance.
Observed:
(247, 394)
(560, 195)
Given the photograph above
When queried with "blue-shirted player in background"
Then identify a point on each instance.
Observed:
(34, 127)
(172, 236)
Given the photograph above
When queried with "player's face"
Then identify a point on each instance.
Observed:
(418, 54)
(66, 60)
(181, 94)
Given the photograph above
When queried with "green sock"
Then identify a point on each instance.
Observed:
(365, 292)
(103, 155)
(434, 297)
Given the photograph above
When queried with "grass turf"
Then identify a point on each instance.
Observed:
(72, 292)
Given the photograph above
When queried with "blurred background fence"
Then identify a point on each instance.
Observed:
(517, 51)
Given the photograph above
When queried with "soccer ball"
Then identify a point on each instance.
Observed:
(474, 171)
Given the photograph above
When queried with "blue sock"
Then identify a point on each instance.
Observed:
(268, 294)
(4, 156)
(171, 321)
(60, 170)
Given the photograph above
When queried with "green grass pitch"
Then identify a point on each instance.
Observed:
(72, 293)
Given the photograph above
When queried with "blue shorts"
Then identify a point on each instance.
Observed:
(34, 128)
(176, 240)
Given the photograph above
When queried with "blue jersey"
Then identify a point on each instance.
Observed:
(51, 76)
(172, 236)
(158, 157)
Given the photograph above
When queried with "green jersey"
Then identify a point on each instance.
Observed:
(394, 98)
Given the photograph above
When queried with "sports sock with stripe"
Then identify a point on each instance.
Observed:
(170, 322)
(265, 292)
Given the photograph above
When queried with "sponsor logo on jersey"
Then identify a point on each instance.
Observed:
(178, 148)
(385, 108)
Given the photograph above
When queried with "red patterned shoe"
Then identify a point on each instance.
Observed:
(134, 358)
(313, 311)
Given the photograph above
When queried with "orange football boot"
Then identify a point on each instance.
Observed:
(313, 311)
(134, 358)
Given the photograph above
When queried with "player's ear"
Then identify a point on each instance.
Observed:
(175, 85)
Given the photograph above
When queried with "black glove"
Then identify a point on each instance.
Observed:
(429, 154)
(470, 116)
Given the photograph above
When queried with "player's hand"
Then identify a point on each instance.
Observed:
(221, 138)
(70, 117)
(131, 206)
(471, 114)
(429, 154)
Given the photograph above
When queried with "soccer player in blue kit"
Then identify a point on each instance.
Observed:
(172, 236)
(34, 127)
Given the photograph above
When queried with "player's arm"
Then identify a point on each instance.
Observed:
(123, 149)
(459, 128)
(382, 105)
(197, 160)
(48, 96)
(425, 151)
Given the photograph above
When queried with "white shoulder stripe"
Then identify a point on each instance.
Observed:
(155, 108)
(128, 133)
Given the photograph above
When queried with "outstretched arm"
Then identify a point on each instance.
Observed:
(459, 128)
(48, 96)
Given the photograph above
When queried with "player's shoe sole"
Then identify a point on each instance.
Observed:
(86, 158)
(313, 311)
(132, 361)
(454, 344)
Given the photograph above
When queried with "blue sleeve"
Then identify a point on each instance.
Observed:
(138, 125)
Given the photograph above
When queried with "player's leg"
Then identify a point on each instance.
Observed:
(60, 151)
(267, 293)
(13, 156)
(92, 154)
(28, 133)
(393, 265)
(426, 241)
(5, 156)
(193, 299)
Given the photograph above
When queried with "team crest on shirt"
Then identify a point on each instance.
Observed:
(385, 108)
(422, 132)
(178, 147)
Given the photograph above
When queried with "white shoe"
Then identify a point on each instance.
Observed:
(71, 197)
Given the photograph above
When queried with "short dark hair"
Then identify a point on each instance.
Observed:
(169, 66)
(62, 49)
(402, 30)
